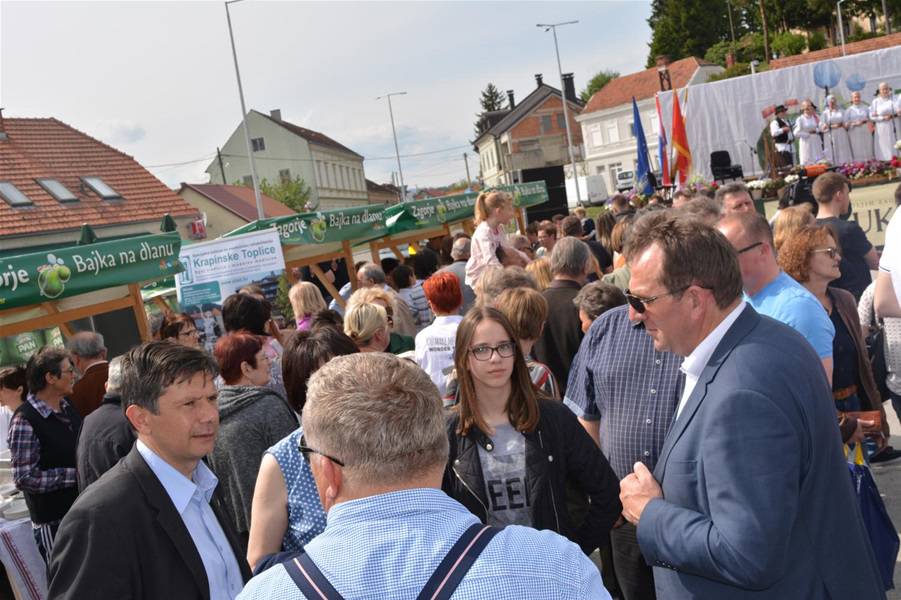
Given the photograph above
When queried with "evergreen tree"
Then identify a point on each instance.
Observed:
(492, 99)
(282, 303)
(686, 28)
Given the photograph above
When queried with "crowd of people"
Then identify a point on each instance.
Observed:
(667, 390)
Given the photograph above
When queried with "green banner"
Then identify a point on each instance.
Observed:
(360, 223)
(435, 212)
(41, 276)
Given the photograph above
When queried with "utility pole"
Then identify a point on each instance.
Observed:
(466, 162)
(400, 171)
(766, 33)
(731, 26)
(841, 26)
(888, 22)
(253, 166)
(569, 140)
(221, 166)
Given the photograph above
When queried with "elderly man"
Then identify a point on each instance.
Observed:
(754, 448)
(460, 254)
(572, 227)
(153, 527)
(105, 435)
(42, 437)
(734, 197)
(770, 291)
(375, 439)
(562, 333)
(89, 357)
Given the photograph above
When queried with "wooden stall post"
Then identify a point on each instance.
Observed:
(314, 268)
(521, 220)
(349, 263)
(64, 327)
(134, 291)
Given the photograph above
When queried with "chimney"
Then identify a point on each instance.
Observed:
(3, 135)
(510, 100)
(538, 79)
(569, 87)
(276, 113)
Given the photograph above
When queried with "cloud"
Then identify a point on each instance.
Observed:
(120, 132)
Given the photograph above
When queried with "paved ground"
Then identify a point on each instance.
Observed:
(888, 478)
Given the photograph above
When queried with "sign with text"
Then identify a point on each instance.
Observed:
(361, 223)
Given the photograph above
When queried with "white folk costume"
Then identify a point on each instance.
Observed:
(836, 147)
(810, 149)
(882, 111)
(857, 117)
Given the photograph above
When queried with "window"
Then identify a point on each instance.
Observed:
(248, 180)
(57, 190)
(101, 189)
(600, 170)
(528, 145)
(612, 132)
(258, 144)
(655, 124)
(615, 168)
(13, 196)
(632, 129)
(546, 124)
(284, 175)
(561, 124)
(594, 135)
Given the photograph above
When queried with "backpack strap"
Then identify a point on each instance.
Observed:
(444, 581)
(310, 580)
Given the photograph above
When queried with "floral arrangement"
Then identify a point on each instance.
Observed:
(896, 162)
(898, 145)
(791, 178)
(759, 184)
(870, 168)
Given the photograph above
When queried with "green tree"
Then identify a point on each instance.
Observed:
(788, 43)
(683, 28)
(492, 99)
(600, 79)
(295, 194)
(282, 303)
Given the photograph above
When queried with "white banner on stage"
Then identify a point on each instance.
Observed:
(732, 114)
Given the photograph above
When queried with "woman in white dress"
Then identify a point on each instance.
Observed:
(857, 115)
(836, 147)
(810, 149)
(882, 113)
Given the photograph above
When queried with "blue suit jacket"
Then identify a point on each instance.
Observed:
(757, 500)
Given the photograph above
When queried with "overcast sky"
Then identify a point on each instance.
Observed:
(156, 79)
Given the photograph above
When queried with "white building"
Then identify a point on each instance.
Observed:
(607, 120)
(283, 151)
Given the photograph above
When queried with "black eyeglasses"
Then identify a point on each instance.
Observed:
(831, 252)
(485, 352)
(747, 248)
(640, 304)
(306, 451)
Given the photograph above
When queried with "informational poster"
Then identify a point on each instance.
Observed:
(216, 269)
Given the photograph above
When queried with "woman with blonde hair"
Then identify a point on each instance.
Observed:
(791, 220)
(540, 268)
(396, 312)
(493, 210)
(306, 300)
(367, 325)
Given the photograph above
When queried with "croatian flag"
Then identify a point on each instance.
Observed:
(662, 154)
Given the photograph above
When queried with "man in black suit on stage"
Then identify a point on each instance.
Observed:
(152, 527)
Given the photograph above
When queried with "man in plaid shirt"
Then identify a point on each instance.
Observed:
(42, 439)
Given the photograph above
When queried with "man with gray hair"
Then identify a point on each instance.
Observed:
(734, 197)
(89, 357)
(460, 254)
(559, 342)
(105, 434)
(376, 442)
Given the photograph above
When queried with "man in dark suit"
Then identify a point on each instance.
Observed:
(89, 357)
(754, 451)
(562, 333)
(152, 527)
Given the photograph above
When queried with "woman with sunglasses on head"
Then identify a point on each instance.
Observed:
(812, 257)
(514, 456)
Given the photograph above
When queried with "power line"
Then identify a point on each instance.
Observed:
(178, 164)
(455, 148)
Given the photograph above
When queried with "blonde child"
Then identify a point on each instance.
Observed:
(492, 211)
(306, 300)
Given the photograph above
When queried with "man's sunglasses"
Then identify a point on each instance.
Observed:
(640, 304)
(306, 451)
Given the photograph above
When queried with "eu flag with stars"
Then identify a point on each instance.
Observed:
(643, 166)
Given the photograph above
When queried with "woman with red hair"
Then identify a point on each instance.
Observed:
(435, 344)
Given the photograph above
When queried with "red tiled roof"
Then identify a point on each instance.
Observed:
(239, 200)
(37, 148)
(643, 84)
(877, 43)
(311, 136)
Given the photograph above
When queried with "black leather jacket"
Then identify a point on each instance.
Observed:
(561, 459)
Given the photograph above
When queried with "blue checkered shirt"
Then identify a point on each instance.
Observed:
(619, 378)
(387, 546)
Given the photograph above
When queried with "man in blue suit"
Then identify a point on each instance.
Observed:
(754, 499)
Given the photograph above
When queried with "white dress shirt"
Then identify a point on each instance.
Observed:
(191, 498)
(695, 362)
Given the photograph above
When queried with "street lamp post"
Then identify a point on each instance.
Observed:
(569, 140)
(841, 27)
(400, 171)
(253, 166)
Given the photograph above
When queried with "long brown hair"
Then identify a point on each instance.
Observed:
(522, 405)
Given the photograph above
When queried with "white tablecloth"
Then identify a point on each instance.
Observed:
(23, 562)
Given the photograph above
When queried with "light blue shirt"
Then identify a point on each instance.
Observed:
(192, 501)
(789, 302)
(387, 546)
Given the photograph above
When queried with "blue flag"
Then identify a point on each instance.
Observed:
(643, 166)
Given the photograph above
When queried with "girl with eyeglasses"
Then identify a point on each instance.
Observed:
(517, 458)
(812, 257)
